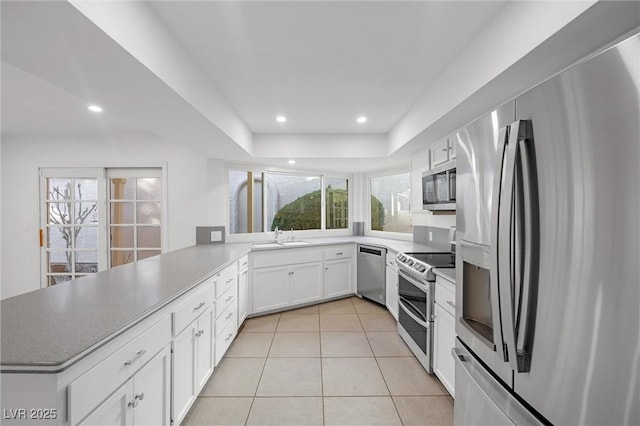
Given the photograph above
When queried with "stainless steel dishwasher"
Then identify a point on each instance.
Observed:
(371, 273)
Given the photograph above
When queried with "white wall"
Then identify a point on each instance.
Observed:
(195, 186)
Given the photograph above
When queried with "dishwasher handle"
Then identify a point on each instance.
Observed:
(369, 250)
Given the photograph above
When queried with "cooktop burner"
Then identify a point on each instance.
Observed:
(435, 260)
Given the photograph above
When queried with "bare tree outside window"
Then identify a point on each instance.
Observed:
(71, 228)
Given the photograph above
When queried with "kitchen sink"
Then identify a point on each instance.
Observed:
(266, 245)
(295, 243)
(281, 244)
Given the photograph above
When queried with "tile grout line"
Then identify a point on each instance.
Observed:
(255, 393)
(383, 378)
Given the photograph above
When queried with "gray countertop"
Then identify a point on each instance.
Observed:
(447, 273)
(55, 326)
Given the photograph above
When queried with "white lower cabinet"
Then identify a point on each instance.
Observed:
(243, 296)
(392, 291)
(444, 337)
(271, 288)
(338, 277)
(142, 400)
(306, 283)
(192, 363)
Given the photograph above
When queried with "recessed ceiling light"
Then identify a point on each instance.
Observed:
(292, 161)
(361, 119)
(281, 119)
(95, 108)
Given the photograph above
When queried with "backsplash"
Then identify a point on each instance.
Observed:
(439, 237)
(210, 234)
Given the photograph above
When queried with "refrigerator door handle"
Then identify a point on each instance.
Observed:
(528, 279)
(518, 244)
(506, 249)
(494, 269)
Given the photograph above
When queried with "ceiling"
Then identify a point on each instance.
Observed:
(213, 75)
(322, 64)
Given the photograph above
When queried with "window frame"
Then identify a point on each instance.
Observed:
(136, 172)
(101, 173)
(101, 243)
(307, 233)
(408, 236)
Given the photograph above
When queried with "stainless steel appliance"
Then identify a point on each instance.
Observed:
(371, 273)
(547, 267)
(439, 189)
(416, 298)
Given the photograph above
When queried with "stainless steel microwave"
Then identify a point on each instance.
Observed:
(439, 189)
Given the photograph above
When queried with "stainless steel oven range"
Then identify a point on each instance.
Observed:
(416, 298)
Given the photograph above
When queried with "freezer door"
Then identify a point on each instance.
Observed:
(477, 160)
(481, 399)
(585, 351)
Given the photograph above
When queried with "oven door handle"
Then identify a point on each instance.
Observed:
(413, 281)
(420, 321)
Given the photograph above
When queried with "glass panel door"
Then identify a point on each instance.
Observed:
(72, 213)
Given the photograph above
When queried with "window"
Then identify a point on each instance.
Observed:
(337, 203)
(71, 221)
(260, 201)
(134, 215)
(390, 205)
(96, 218)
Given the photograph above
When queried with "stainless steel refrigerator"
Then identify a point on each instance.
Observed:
(548, 213)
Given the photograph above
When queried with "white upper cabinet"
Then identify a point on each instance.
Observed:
(440, 152)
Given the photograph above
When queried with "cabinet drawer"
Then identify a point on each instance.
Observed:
(224, 340)
(90, 389)
(339, 252)
(243, 263)
(227, 299)
(225, 279)
(280, 257)
(230, 315)
(194, 306)
(446, 295)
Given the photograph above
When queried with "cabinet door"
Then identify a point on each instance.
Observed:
(306, 283)
(270, 288)
(204, 348)
(183, 372)
(243, 296)
(392, 291)
(337, 277)
(444, 340)
(452, 149)
(115, 410)
(439, 153)
(152, 391)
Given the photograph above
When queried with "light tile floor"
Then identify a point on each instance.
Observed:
(337, 363)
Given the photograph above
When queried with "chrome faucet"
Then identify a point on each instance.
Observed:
(277, 233)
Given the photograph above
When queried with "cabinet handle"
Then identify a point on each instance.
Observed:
(339, 254)
(140, 396)
(245, 263)
(244, 272)
(445, 149)
(199, 306)
(229, 316)
(133, 404)
(228, 337)
(326, 268)
(229, 280)
(199, 333)
(228, 298)
(135, 357)
(450, 303)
